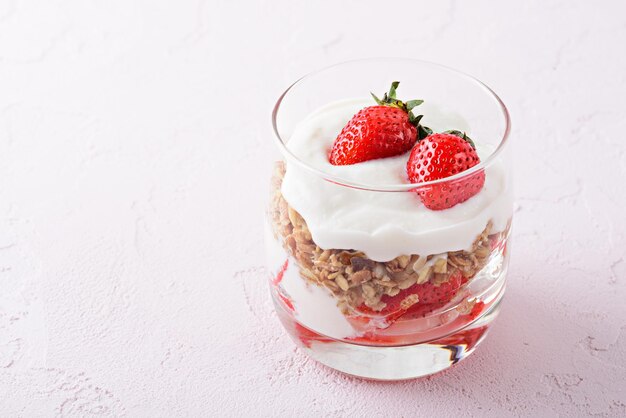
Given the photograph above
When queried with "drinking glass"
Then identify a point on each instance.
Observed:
(329, 299)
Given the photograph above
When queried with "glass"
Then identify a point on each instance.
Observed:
(411, 292)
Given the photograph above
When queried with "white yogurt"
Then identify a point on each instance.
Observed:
(384, 225)
(314, 306)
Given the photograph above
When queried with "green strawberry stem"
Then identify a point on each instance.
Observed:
(389, 99)
(461, 135)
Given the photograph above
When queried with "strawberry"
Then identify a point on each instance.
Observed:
(369, 338)
(281, 273)
(428, 293)
(307, 336)
(477, 309)
(429, 298)
(443, 155)
(420, 310)
(288, 303)
(378, 131)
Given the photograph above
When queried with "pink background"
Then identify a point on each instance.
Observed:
(133, 142)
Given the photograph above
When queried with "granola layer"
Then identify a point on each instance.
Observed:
(356, 280)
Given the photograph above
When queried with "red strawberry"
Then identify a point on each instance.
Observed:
(281, 273)
(378, 131)
(443, 155)
(420, 310)
(374, 338)
(307, 336)
(427, 293)
(477, 309)
(288, 303)
(429, 298)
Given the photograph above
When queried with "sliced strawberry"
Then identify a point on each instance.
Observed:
(427, 293)
(419, 310)
(430, 293)
(418, 300)
(373, 338)
(281, 273)
(306, 336)
(288, 303)
(477, 309)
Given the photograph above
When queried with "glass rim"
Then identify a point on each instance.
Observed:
(401, 187)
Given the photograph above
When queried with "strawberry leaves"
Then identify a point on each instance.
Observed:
(389, 99)
(461, 135)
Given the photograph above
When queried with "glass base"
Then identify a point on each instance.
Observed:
(388, 363)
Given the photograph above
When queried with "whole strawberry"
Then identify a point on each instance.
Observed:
(378, 131)
(443, 155)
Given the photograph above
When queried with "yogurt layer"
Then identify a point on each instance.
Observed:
(384, 225)
(314, 306)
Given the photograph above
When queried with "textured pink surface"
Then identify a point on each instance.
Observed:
(130, 278)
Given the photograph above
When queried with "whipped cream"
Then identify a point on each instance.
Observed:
(385, 225)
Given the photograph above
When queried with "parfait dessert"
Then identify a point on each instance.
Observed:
(387, 234)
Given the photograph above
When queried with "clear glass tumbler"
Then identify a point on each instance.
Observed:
(357, 267)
